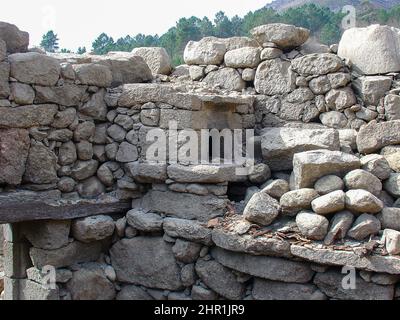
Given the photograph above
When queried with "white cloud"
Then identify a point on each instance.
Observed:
(79, 22)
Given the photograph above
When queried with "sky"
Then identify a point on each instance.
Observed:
(78, 22)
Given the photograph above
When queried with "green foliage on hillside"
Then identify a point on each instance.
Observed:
(324, 24)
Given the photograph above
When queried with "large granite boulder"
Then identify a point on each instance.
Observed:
(372, 50)
(156, 58)
(146, 261)
(309, 166)
(274, 77)
(16, 40)
(283, 35)
(208, 50)
(34, 68)
(280, 144)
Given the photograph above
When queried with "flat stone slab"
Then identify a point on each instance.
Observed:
(271, 268)
(48, 205)
(204, 173)
(260, 246)
(143, 92)
(375, 263)
(184, 205)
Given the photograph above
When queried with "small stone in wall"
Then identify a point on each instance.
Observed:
(220, 279)
(394, 161)
(84, 150)
(4, 78)
(334, 119)
(95, 108)
(377, 165)
(340, 99)
(365, 226)
(63, 119)
(21, 93)
(188, 275)
(90, 188)
(89, 282)
(340, 225)
(312, 225)
(329, 203)
(362, 201)
(197, 72)
(186, 251)
(392, 241)
(392, 185)
(187, 229)
(132, 292)
(259, 173)
(390, 218)
(40, 165)
(276, 188)
(92, 228)
(248, 74)
(320, 85)
(261, 209)
(339, 79)
(126, 153)
(147, 222)
(3, 50)
(116, 132)
(84, 169)
(66, 184)
(67, 153)
(14, 152)
(361, 179)
(297, 200)
(270, 53)
(84, 131)
(226, 78)
(201, 293)
(150, 117)
(328, 184)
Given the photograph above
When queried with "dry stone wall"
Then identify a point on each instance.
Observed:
(322, 194)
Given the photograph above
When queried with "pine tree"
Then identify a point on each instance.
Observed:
(50, 42)
(81, 50)
(103, 44)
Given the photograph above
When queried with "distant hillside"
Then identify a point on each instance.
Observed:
(281, 5)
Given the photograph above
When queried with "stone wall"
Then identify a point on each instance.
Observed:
(322, 194)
